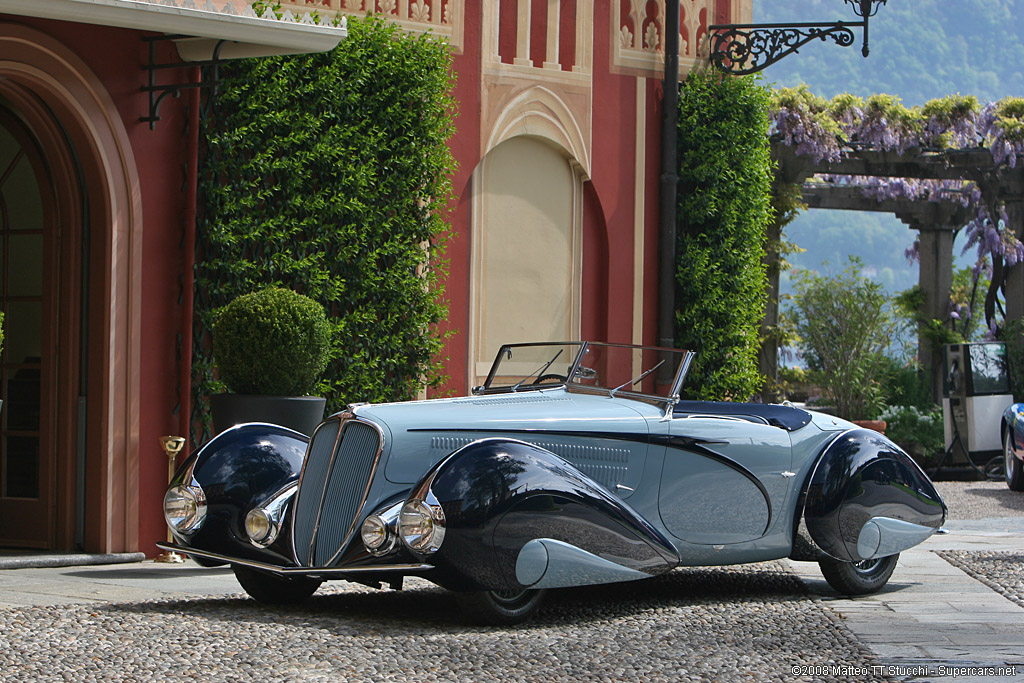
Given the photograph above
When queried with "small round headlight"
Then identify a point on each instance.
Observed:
(184, 508)
(376, 536)
(421, 526)
(261, 529)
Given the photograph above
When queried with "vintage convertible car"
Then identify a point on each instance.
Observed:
(575, 463)
(1013, 446)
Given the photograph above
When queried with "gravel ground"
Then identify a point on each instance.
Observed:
(751, 623)
(980, 499)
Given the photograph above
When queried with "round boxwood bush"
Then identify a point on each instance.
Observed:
(272, 342)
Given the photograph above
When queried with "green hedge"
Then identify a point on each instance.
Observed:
(725, 174)
(329, 174)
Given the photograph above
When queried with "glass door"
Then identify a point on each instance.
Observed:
(26, 466)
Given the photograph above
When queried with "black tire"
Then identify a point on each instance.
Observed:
(500, 608)
(272, 589)
(860, 578)
(1012, 468)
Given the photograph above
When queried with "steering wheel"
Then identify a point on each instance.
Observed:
(560, 379)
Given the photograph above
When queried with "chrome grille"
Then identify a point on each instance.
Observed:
(333, 486)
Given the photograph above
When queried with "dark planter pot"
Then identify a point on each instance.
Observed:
(301, 413)
(877, 425)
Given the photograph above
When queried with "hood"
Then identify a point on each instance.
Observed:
(420, 433)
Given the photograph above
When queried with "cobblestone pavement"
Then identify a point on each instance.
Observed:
(751, 623)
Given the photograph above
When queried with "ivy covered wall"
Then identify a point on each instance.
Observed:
(329, 174)
(724, 208)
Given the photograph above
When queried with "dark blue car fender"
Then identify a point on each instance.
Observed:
(518, 516)
(239, 469)
(866, 498)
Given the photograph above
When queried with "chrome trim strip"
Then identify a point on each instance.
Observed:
(319, 571)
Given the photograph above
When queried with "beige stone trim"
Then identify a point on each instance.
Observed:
(639, 183)
(540, 112)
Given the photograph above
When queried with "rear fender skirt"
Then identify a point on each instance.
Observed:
(866, 498)
(241, 468)
(519, 516)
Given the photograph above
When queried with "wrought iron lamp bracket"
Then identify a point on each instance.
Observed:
(747, 48)
(158, 92)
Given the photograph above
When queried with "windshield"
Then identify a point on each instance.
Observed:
(615, 368)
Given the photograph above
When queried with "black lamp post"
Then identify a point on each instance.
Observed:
(748, 48)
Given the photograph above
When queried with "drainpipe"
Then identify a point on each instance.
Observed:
(188, 267)
(669, 181)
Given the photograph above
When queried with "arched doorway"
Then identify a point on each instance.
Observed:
(79, 466)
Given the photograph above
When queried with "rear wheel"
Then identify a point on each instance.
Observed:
(1012, 467)
(858, 578)
(500, 608)
(274, 589)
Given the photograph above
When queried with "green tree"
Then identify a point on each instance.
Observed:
(329, 174)
(844, 326)
(725, 175)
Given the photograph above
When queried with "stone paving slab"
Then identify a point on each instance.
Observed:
(932, 614)
(112, 583)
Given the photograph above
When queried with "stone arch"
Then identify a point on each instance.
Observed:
(539, 112)
(85, 141)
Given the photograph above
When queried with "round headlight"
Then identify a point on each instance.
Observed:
(421, 526)
(184, 508)
(376, 536)
(261, 529)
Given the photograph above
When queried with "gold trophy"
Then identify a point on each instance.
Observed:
(172, 445)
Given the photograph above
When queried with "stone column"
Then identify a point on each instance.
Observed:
(936, 281)
(1015, 275)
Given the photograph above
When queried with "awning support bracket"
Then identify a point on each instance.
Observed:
(158, 92)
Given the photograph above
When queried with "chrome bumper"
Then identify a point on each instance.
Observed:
(339, 572)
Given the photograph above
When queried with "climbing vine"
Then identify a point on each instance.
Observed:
(826, 129)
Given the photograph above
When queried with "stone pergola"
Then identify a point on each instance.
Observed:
(935, 221)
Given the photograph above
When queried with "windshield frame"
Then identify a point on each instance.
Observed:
(683, 356)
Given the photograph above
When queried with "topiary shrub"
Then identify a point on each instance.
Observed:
(272, 342)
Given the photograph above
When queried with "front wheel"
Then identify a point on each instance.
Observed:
(1012, 467)
(273, 589)
(500, 608)
(858, 578)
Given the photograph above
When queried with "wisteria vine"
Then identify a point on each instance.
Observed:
(825, 130)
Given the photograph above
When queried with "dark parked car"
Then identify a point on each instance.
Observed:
(575, 463)
(1013, 446)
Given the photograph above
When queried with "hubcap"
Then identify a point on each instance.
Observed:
(508, 598)
(867, 566)
(1007, 457)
